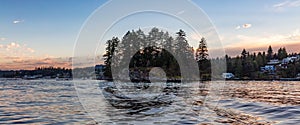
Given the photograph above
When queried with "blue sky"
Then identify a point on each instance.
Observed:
(45, 31)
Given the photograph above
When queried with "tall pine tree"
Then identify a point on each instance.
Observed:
(110, 50)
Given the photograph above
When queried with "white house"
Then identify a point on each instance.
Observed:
(227, 75)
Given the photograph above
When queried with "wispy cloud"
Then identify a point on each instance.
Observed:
(244, 26)
(16, 63)
(18, 21)
(259, 43)
(282, 4)
(15, 49)
(2, 38)
(286, 4)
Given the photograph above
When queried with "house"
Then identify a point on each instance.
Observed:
(271, 69)
(273, 62)
(287, 60)
(227, 75)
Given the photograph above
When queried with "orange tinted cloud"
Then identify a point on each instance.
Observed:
(16, 63)
(260, 43)
(291, 48)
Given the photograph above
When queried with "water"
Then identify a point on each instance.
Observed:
(56, 102)
(40, 102)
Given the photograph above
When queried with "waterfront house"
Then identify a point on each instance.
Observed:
(270, 69)
(227, 75)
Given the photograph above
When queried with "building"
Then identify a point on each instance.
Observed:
(227, 75)
(270, 69)
(273, 62)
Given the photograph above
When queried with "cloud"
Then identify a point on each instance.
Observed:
(238, 27)
(15, 49)
(282, 4)
(17, 63)
(286, 4)
(244, 26)
(2, 39)
(15, 56)
(291, 48)
(31, 50)
(18, 21)
(259, 43)
(12, 45)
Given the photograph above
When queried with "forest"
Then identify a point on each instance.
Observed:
(158, 48)
(39, 72)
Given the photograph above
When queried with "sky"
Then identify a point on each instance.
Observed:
(43, 32)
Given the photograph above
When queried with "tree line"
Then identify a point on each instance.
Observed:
(248, 65)
(51, 72)
(162, 48)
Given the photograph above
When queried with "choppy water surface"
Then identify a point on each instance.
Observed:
(56, 102)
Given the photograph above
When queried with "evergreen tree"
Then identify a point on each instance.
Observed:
(230, 65)
(182, 48)
(260, 60)
(282, 53)
(202, 59)
(202, 51)
(110, 50)
(270, 53)
(238, 70)
(244, 54)
(244, 63)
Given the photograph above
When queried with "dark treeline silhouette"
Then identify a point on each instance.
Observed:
(162, 49)
(140, 52)
(39, 72)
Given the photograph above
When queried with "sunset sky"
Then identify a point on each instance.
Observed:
(43, 32)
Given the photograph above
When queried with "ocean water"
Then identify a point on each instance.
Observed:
(233, 102)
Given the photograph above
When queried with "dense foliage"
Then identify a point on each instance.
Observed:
(162, 49)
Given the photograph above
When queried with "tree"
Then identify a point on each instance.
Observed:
(202, 51)
(111, 46)
(244, 62)
(155, 49)
(238, 67)
(281, 53)
(182, 47)
(244, 54)
(183, 51)
(202, 59)
(270, 53)
(260, 60)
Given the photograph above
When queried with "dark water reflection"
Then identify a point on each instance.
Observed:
(56, 102)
